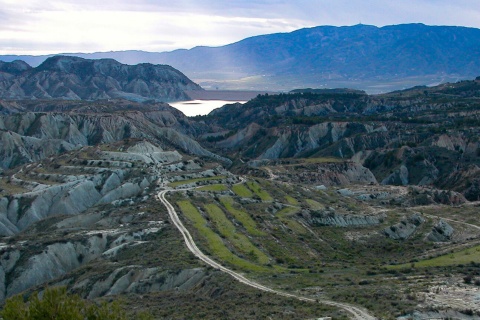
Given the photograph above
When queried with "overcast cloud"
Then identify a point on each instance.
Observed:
(52, 26)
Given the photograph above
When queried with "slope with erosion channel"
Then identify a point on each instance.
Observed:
(421, 136)
(47, 128)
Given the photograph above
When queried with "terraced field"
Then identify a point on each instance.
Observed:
(265, 231)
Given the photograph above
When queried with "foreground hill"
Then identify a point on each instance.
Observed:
(74, 78)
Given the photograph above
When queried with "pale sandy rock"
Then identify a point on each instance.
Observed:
(127, 190)
(144, 147)
(441, 232)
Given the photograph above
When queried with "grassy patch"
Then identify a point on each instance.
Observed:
(214, 188)
(287, 211)
(243, 217)
(214, 242)
(242, 191)
(182, 182)
(11, 188)
(291, 224)
(239, 241)
(262, 194)
(314, 204)
(323, 160)
(460, 257)
(291, 200)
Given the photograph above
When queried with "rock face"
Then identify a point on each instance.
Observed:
(71, 195)
(327, 173)
(141, 281)
(426, 196)
(59, 258)
(331, 218)
(405, 228)
(441, 232)
(63, 77)
(338, 174)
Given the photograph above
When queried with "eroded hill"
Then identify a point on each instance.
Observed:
(422, 136)
(73, 78)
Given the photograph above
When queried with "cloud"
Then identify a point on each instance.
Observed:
(52, 26)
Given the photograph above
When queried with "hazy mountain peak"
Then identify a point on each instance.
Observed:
(14, 67)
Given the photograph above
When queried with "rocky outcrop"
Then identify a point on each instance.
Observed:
(141, 280)
(54, 260)
(327, 173)
(405, 228)
(74, 194)
(74, 78)
(293, 143)
(441, 232)
(399, 177)
(329, 217)
(426, 196)
(22, 210)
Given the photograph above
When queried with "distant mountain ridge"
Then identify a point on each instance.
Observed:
(327, 55)
(74, 78)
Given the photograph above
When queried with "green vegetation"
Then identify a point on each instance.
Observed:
(10, 188)
(56, 304)
(213, 188)
(248, 223)
(214, 241)
(242, 191)
(239, 241)
(465, 256)
(182, 182)
(314, 204)
(262, 194)
(290, 223)
(323, 160)
(287, 211)
(291, 200)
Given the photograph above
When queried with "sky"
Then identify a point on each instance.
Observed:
(36, 27)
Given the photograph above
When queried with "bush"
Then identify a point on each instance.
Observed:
(468, 279)
(56, 304)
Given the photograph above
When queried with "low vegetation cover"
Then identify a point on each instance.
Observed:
(56, 304)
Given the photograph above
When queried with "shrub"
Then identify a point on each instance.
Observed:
(56, 304)
(468, 279)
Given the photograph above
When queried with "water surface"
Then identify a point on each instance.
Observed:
(200, 107)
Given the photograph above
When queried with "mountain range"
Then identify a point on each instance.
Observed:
(361, 56)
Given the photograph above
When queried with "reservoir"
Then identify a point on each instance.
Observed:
(200, 107)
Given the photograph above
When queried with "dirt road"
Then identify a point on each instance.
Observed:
(356, 312)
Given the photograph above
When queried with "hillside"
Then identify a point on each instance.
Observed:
(421, 136)
(33, 130)
(73, 78)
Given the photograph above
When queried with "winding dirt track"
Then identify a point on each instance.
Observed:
(356, 312)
